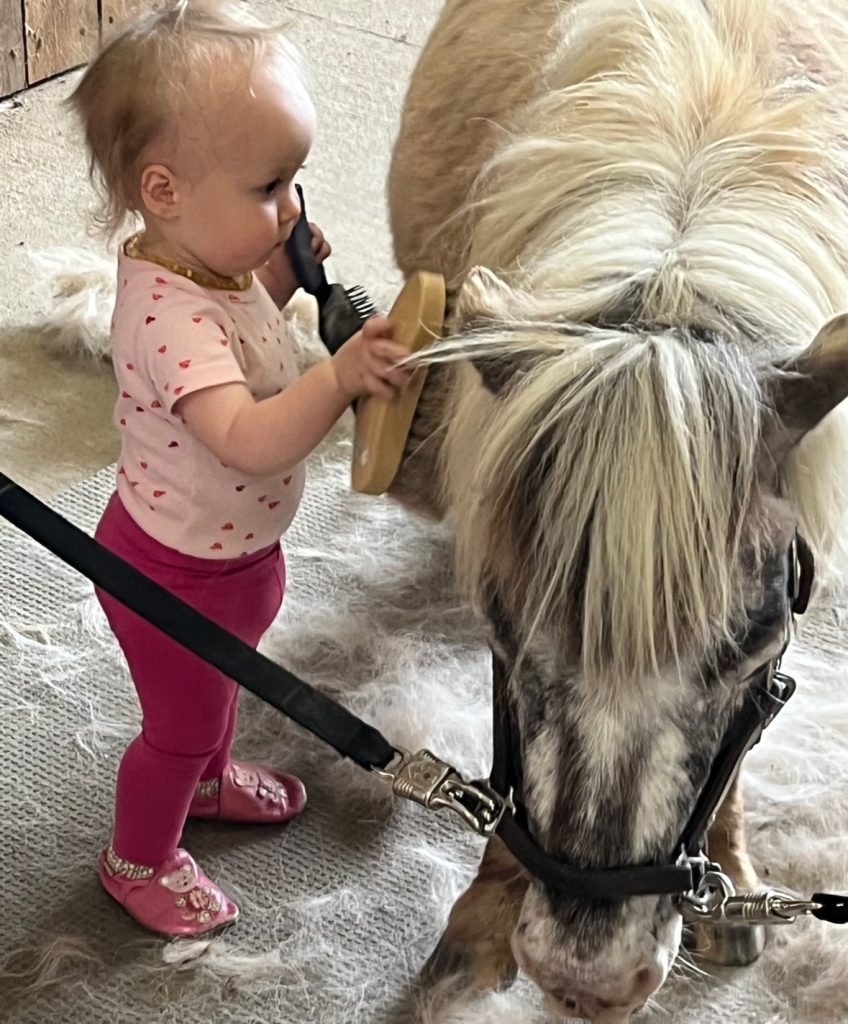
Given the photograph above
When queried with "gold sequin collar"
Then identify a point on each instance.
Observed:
(205, 278)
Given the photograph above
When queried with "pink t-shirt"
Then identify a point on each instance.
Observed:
(171, 337)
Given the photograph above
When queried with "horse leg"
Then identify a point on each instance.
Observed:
(741, 944)
(476, 942)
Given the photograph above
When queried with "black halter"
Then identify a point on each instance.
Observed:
(767, 693)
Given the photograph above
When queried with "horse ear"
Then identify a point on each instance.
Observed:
(810, 386)
(485, 301)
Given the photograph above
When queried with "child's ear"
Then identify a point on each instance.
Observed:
(159, 192)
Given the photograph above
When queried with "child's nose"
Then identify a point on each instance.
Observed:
(289, 208)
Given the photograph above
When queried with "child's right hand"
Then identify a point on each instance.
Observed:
(365, 364)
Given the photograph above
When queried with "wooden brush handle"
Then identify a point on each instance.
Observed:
(382, 426)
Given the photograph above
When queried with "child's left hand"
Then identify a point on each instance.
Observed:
(278, 276)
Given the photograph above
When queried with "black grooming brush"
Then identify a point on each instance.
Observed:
(341, 311)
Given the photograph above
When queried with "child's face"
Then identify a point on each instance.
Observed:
(237, 200)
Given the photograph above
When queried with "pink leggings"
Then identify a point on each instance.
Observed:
(188, 707)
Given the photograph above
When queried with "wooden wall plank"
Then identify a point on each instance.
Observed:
(60, 35)
(116, 11)
(12, 63)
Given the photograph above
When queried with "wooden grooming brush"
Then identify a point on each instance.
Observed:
(382, 425)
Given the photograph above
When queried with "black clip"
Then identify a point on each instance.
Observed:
(309, 273)
(341, 311)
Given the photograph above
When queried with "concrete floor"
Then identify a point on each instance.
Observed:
(55, 414)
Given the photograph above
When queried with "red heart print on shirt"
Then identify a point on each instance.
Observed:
(179, 389)
(240, 487)
(273, 504)
(228, 526)
(196, 319)
(185, 364)
(156, 296)
(217, 547)
(163, 349)
(161, 280)
(159, 494)
(149, 319)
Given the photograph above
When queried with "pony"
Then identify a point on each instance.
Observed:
(640, 209)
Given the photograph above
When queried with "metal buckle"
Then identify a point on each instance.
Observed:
(716, 901)
(433, 783)
(781, 689)
(699, 864)
(778, 690)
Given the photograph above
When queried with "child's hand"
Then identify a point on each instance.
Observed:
(365, 364)
(321, 248)
(278, 276)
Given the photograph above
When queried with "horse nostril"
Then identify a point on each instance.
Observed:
(643, 976)
(562, 996)
(606, 1004)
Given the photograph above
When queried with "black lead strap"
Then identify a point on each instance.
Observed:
(834, 909)
(305, 705)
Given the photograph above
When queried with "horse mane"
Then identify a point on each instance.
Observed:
(606, 500)
(670, 153)
(671, 220)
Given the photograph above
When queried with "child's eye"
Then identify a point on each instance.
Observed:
(272, 186)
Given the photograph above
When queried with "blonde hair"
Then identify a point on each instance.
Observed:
(132, 92)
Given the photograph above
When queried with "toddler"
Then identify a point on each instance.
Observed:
(197, 120)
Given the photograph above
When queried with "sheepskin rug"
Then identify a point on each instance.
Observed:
(341, 908)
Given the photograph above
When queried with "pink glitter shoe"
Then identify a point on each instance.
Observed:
(174, 899)
(249, 793)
